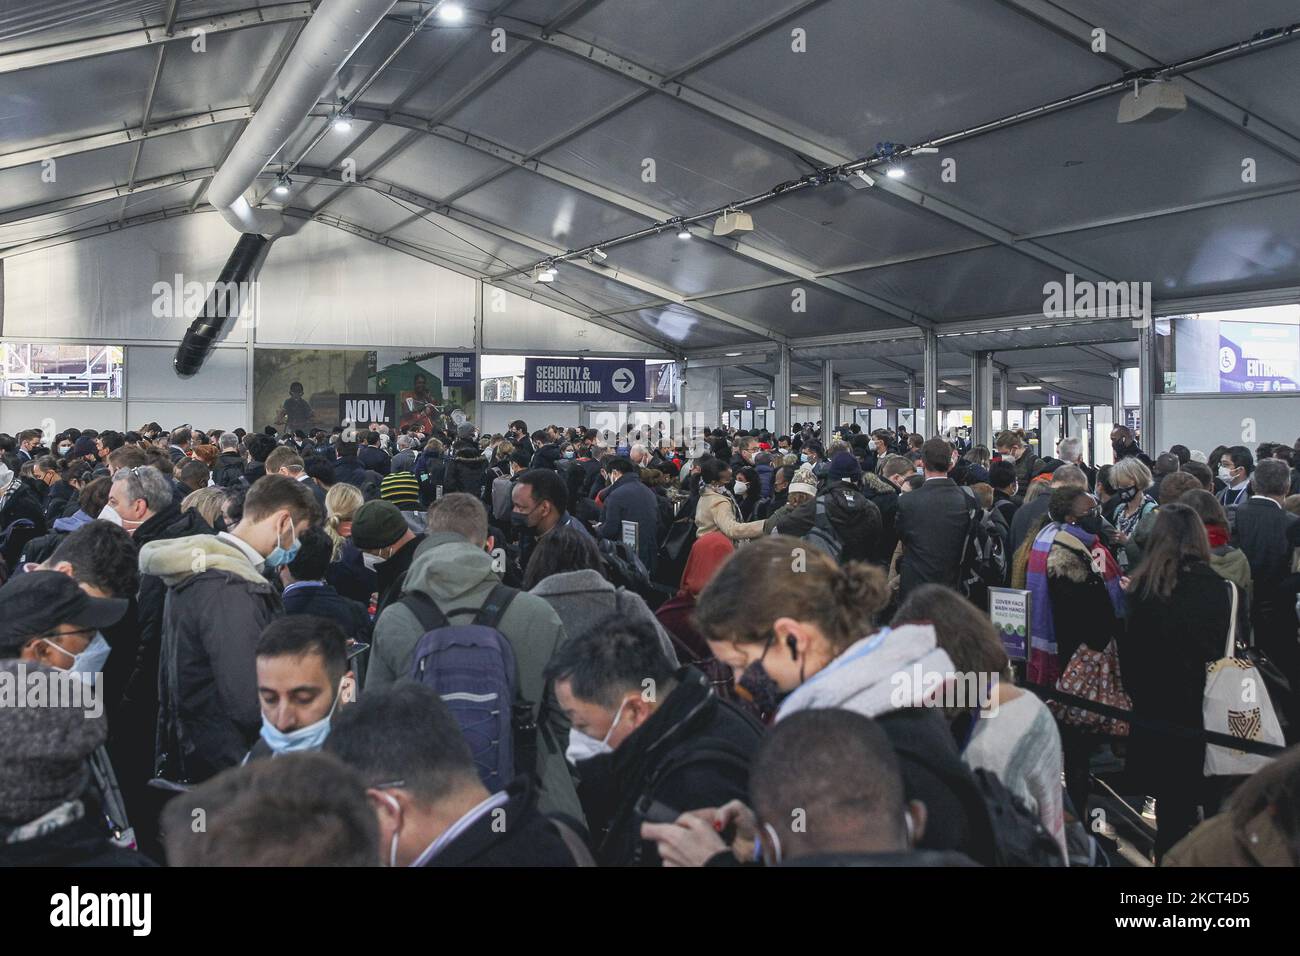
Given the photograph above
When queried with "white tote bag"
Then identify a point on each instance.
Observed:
(1237, 704)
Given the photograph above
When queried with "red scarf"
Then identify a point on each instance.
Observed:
(1218, 535)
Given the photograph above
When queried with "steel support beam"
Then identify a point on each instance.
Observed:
(781, 391)
(981, 396)
(930, 384)
(830, 400)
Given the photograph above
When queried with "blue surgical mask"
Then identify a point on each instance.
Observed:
(311, 737)
(803, 459)
(282, 556)
(89, 662)
(568, 454)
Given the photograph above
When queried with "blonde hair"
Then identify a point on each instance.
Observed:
(206, 501)
(1130, 471)
(341, 503)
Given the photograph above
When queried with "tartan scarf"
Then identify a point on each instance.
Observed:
(1044, 668)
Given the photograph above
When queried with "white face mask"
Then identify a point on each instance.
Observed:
(742, 488)
(583, 747)
(1225, 473)
(109, 513)
(372, 561)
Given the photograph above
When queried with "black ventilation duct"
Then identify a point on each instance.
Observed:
(224, 303)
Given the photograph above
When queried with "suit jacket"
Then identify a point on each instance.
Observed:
(932, 523)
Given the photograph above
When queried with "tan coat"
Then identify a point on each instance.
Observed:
(718, 512)
(1219, 842)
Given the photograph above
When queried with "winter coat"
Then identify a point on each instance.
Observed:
(584, 599)
(1225, 841)
(628, 499)
(216, 608)
(322, 600)
(466, 472)
(718, 511)
(693, 752)
(228, 470)
(861, 679)
(459, 576)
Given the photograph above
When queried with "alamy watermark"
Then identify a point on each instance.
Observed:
(179, 299)
(950, 690)
(1084, 299)
(46, 687)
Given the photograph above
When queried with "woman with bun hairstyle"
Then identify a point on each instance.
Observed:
(792, 623)
(798, 630)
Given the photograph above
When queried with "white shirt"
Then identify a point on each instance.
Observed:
(1265, 498)
(460, 826)
(255, 559)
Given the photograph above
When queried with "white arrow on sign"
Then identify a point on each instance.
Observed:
(623, 380)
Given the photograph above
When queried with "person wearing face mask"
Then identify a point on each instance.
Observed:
(57, 492)
(649, 742)
(717, 508)
(1129, 506)
(801, 636)
(1235, 469)
(1125, 445)
(303, 680)
(867, 818)
(388, 547)
(424, 790)
(1012, 448)
(217, 604)
(49, 620)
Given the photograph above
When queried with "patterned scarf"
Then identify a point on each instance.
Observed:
(1044, 668)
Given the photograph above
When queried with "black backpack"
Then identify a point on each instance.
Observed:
(984, 555)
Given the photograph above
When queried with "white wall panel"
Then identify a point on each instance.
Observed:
(1204, 422)
(195, 414)
(55, 414)
(223, 377)
(497, 415)
(104, 288)
(520, 324)
(325, 287)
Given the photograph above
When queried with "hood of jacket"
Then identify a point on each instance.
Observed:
(469, 455)
(874, 675)
(176, 560)
(447, 566)
(585, 581)
(1068, 559)
(72, 523)
(1232, 564)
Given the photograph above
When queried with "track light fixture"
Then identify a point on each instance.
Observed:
(282, 185)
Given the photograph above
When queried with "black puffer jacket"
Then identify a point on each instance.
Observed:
(693, 752)
(466, 472)
(228, 470)
(852, 515)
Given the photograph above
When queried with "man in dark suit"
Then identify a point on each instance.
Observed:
(932, 522)
(285, 461)
(1269, 535)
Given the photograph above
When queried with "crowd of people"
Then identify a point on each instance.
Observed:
(568, 647)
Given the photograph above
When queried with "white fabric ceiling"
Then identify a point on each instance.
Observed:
(529, 153)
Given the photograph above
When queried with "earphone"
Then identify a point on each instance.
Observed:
(794, 649)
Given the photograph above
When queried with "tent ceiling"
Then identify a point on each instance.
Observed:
(517, 156)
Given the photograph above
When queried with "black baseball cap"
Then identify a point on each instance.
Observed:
(39, 601)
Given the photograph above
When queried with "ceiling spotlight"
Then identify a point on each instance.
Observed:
(683, 232)
(282, 185)
(857, 393)
(733, 354)
(451, 13)
(544, 273)
(341, 123)
(599, 255)
(1029, 388)
(741, 395)
(895, 172)
(733, 220)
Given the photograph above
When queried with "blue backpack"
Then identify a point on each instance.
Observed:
(472, 668)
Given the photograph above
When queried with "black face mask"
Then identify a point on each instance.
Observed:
(762, 691)
(1091, 523)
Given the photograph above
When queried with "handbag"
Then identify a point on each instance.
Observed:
(1237, 703)
(1095, 676)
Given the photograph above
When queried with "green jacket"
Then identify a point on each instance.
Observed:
(457, 575)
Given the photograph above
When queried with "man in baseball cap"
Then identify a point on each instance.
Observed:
(48, 619)
(388, 545)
